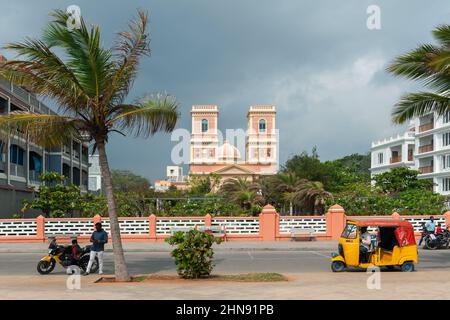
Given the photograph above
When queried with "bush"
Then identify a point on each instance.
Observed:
(193, 254)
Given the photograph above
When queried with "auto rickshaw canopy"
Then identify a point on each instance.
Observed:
(377, 222)
(404, 231)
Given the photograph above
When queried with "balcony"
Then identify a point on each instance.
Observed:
(426, 148)
(426, 127)
(426, 169)
(396, 159)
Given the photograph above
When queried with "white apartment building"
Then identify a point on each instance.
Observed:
(95, 175)
(424, 147)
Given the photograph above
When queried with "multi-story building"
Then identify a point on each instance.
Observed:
(424, 147)
(95, 174)
(22, 161)
(260, 142)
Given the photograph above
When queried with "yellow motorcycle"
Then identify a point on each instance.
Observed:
(61, 254)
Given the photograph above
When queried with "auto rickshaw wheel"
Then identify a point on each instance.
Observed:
(408, 266)
(337, 266)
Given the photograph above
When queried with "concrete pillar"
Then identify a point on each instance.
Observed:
(269, 223)
(208, 220)
(447, 219)
(335, 221)
(152, 226)
(395, 215)
(40, 228)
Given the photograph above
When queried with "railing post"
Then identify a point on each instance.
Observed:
(208, 220)
(395, 215)
(447, 219)
(97, 218)
(335, 221)
(152, 226)
(268, 223)
(40, 228)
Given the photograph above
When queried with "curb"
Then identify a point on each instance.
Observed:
(168, 250)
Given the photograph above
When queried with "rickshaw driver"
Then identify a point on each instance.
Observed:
(365, 245)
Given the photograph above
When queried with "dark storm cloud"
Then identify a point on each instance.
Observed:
(315, 60)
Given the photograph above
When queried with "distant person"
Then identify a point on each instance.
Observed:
(366, 241)
(438, 228)
(431, 225)
(99, 238)
(75, 252)
(53, 244)
(424, 233)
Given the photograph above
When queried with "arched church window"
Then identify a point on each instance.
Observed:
(204, 125)
(262, 125)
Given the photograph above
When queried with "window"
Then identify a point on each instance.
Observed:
(446, 139)
(446, 117)
(35, 162)
(262, 125)
(17, 154)
(380, 158)
(445, 184)
(349, 231)
(2, 148)
(269, 153)
(445, 161)
(204, 125)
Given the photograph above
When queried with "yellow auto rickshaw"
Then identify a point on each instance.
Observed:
(392, 244)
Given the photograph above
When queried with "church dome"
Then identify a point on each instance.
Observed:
(228, 152)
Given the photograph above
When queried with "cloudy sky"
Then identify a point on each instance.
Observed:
(315, 60)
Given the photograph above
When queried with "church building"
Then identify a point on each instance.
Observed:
(208, 156)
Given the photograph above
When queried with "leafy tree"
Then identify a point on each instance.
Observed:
(401, 179)
(127, 181)
(90, 84)
(55, 200)
(201, 185)
(428, 63)
(312, 195)
(193, 253)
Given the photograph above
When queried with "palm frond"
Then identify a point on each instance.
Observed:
(130, 46)
(153, 115)
(43, 129)
(418, 104)
(442, 34)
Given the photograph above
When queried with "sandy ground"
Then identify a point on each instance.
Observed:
(347, 285)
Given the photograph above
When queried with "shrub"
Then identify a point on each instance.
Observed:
(193, 254)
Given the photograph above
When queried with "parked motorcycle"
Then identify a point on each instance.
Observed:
(439, 241)
(61, 255)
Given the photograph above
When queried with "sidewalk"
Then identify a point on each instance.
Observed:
(326, 246)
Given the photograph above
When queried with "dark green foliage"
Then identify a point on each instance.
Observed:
(193, 253)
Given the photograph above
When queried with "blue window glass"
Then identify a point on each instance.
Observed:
(262, 125)
(204, 125)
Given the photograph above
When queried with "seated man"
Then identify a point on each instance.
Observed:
(75, 252)
(365, 245)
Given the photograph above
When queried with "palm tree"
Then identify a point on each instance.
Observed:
(242, 192)
(429, 64)
(287, 183)
(90, 84)
(311, 194)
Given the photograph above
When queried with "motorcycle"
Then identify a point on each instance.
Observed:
(441, 240)
(61, 254)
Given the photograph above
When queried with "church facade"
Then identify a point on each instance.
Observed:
(209, 156)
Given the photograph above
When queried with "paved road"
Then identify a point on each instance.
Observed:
(226, 262)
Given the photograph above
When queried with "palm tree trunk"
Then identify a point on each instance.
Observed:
(120, 267)
(291, 208)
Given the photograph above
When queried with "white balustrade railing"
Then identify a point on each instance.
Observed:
(165, 226)
(135, 226)
(18, 227)
(318, 224)
(80, 227)
(238, 225)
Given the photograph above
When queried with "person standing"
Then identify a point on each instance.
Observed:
(99, 238)
(430, 225)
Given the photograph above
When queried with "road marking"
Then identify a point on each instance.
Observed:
(250, 255)
(320, 254)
